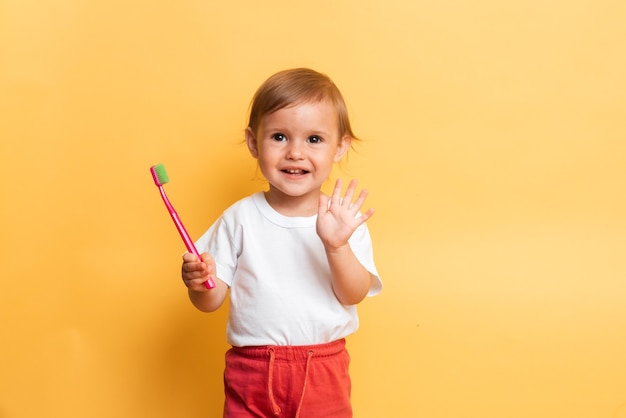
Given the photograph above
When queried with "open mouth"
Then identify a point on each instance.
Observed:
(295, 172)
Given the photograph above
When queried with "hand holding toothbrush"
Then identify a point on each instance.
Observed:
(195, 274)
(160, 177)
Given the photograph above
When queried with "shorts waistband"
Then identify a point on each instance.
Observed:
(291, 352)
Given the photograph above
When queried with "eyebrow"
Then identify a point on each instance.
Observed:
(314, 132)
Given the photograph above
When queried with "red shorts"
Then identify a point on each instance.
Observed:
(288, 381)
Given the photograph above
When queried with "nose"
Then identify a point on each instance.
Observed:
(294, 150)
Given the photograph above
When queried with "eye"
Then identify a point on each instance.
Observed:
(314, 139)
(279, 137)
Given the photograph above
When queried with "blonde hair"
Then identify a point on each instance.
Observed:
(294, 86)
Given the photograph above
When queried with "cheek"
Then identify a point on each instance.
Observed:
(326, 162)
(266, 159)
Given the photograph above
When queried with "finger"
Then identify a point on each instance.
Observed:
(195, 284)
(323, 205)
(358, 203)
(192, 264)
(362, 218)
(365, 216)
(347, 199)
(208, 264)
(194, 270)
(206, 258)
(189, 258)
(336, 197)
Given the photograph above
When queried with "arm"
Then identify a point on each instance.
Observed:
(336, 222)
(351, 281)
(194, 274)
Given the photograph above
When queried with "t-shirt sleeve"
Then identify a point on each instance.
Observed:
(220, 240)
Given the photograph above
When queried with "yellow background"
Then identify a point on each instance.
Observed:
(494, 150)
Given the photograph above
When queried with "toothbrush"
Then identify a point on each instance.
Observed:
(159, 175)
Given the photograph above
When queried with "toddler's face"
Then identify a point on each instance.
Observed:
(296, 147)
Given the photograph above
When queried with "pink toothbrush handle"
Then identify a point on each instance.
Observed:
(210, 284)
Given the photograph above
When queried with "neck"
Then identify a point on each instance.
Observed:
(300, 206)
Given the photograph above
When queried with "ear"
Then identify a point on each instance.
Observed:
(342, 147)
(252, 143)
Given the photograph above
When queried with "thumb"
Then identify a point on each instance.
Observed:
(206, 258)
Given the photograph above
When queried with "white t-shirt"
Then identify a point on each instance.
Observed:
(279, 278)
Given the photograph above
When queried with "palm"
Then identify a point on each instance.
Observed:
(338, 217)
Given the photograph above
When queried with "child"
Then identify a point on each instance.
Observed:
(296, 261)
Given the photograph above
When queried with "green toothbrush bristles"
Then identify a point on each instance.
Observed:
(160, 175)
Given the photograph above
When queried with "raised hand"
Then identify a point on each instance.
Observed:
(338, 217)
